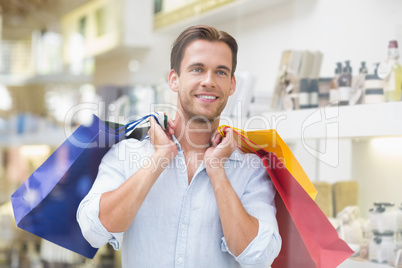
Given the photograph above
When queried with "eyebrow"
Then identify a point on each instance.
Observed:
(224, 67)
(199, 64)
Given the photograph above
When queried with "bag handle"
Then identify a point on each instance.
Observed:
(160, 117)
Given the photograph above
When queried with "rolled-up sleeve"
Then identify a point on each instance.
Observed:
(91, 227)
(110, 176)
(259, 201)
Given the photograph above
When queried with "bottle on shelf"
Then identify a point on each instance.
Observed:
(345, 84)
(373, 88)
(363, 68)
(333, 89)
(391, 72)
(358, 85)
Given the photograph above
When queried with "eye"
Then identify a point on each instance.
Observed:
(197, 70)
(221, 72)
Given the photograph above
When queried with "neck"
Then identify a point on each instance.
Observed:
(194, 135)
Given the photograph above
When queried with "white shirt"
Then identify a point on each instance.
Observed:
(178, 224)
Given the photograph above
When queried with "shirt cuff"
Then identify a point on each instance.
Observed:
(97, 235)
(262, 251)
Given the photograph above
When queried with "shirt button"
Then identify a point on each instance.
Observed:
(180, 260)
(182, 226)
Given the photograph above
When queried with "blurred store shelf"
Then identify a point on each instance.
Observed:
(358, 121)
(62, 78)
(349, 263)
(54, 138)
(209, 12)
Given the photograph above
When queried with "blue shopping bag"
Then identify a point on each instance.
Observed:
(47, 202)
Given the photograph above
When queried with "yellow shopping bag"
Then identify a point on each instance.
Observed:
(270, 141)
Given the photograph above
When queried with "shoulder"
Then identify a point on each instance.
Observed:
(247, 173)
(128, 147)
(246, 160)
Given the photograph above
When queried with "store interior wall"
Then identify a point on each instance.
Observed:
(377, 166)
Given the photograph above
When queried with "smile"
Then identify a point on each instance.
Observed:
(207, 97)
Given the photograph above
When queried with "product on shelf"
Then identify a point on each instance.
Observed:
(391, 71)
(373, 88)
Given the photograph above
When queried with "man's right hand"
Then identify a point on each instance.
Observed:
(117, 208)
(162, 139)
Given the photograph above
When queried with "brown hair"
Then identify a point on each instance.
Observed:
(202, 32)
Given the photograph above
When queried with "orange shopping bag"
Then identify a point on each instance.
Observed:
(269, 141)
(308, 239)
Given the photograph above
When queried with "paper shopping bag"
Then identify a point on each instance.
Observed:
(47, 202)
(268, 140)
(308, 239)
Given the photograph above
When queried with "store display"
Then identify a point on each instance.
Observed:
(345, 84)
(385, 233)
(382, 248)
(391, 71)
(304, 96)
(384, 218)
(358, 81)
(345, 195)
(296, 85)
(334, 88)
(308, 93)
(350, 227)
(373, 88)
(324, 197)
(324, 87)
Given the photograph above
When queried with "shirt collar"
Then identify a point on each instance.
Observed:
(176, 142)
(237, 155)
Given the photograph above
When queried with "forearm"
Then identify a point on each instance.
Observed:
(239, 228)
(117, 208)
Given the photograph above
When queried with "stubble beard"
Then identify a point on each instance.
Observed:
(199, 119)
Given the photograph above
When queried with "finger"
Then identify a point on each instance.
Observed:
(151, 129)
(228, 138)
(228, 134)
(154, 124)
(216, 138)
(228, 131)
(152, 121)
(155, 128)
(171, 126)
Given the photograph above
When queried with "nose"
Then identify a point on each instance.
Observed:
(208, 80)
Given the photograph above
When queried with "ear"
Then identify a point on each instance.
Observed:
(232, 86)
(173, 80)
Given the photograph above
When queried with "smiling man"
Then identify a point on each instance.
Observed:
(186, 197)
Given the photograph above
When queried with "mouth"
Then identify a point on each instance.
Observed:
(206, 97)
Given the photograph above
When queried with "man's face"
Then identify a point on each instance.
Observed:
(205, 81)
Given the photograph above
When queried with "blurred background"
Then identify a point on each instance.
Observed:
(322, 72)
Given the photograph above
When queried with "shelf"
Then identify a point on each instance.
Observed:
(359, 121)
(209, 12)
(52, 137)
(12, 80)
(349, 263)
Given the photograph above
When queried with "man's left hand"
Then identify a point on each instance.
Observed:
(220, 151)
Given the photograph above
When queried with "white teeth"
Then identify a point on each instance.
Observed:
(206, 97)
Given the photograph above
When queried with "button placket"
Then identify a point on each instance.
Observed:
(181, 243)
